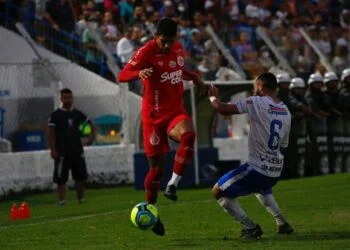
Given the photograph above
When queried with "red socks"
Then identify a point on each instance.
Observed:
(184, 153)
(152, 184)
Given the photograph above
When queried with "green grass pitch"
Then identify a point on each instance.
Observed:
(318, 208)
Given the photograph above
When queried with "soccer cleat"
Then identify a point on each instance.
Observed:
(253, 233)
(170, 192)
(158, 228)
(285, 229)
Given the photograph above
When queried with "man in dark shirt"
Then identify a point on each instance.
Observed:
(60, 15)
(66, 147)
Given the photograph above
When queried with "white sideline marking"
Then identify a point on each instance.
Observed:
(79, 217)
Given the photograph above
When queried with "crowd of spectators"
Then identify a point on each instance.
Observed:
(125, 25)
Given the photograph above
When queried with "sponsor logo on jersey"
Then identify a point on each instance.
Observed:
(277, 110)
(180, 61)
(70, 122)
(154, 139)
(172, 64)
(174, 77)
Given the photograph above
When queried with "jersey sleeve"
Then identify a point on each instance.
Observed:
(83, 117)
(52, 122)
(132, 69)
(244, 104)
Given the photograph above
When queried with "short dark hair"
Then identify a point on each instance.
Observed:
(66, 91)
(269, 80)
(167, 27)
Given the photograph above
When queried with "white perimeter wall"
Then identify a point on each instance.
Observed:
(28, 171)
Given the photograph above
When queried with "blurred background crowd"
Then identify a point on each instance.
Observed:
(125, 25)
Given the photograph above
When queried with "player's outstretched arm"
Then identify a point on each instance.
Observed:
(136, 68)
(220, 107)
(190, 76)
(129, 73)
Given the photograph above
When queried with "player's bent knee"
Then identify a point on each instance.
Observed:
(216, 191)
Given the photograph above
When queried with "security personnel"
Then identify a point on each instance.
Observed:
(344, 93)
(283, 81)
(331, 81)
(344, 107)
(297, 139)
(334, 123)
(320, 104)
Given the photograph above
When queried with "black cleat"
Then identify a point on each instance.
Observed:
(285, 229)
(158, 228)
(254, 233)
(170, 192)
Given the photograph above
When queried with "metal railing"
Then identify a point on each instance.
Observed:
(61, 42)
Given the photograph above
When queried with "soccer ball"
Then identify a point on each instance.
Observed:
(85, 129)
(144, 215)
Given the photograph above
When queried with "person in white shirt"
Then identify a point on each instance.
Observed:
(270, 122)
(125, 48)
(225, 73)
(111, 33)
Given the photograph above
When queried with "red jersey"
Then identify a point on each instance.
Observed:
(163, 90)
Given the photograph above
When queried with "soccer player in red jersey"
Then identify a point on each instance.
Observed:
(160, 66)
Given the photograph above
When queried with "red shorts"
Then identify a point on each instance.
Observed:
(155, 132)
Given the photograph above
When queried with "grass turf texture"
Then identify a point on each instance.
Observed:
(318, 208)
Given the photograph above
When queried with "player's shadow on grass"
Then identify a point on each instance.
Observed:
(312, 236)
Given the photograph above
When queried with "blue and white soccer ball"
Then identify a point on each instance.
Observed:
(144, 215)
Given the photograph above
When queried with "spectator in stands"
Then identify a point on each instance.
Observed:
(111, 33)
(185, 31)
(66, 147)
(323, 42)
(151, 23)
(90, 7)
(233, 9)
(196, 48)
(225, 73)
(26, 15)
(110, 6)
(247, 55)
(138, 18)
(125, 48)
(137, 35)
(341, 57)
(211, 59)
(60, 15)
(126, 11)
(93, 56)
(168, 9)
(81, 24)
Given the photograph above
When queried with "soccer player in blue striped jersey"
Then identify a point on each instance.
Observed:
(270, 123)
